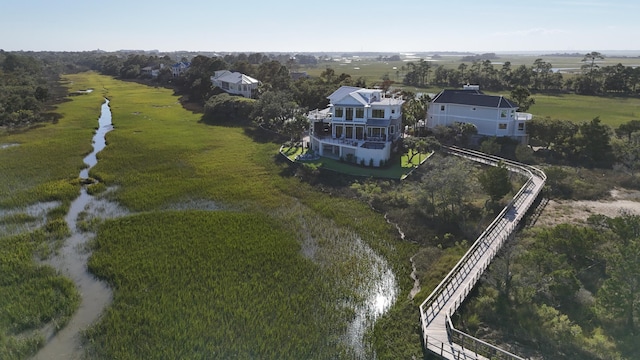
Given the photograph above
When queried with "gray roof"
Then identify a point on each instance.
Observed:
(473, 97)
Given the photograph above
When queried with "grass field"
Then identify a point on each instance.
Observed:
(613, 111)
(234, 269)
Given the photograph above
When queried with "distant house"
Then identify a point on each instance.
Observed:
(492, 115)
(296, 75)
(150, 71)
(179, 68)
(235, 83)
(360, 125)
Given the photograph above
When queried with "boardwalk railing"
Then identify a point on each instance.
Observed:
(467, 269)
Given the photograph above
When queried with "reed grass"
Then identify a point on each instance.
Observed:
(32, 295)
(190, 284)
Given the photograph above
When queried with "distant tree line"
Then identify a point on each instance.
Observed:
(592, 79)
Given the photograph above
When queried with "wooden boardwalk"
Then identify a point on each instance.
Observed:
(439, 335)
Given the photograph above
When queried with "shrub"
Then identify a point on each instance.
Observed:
(227, 109)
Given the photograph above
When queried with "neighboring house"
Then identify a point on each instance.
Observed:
(150, 71)
(360, 125)
(179, 68)
(492, 115)
(297, 75)
(235, 83)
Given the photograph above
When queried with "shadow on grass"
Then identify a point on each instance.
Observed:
(261, 135)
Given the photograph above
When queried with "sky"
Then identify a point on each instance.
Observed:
(320, 26)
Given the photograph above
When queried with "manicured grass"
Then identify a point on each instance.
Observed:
(581, 108)
(398, 168)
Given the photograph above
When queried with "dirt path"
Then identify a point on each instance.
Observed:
(577, 212)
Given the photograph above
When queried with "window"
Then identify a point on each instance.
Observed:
(359, 113)
(503, 113)
(502, 126)
(520, 126)
(441, 107)
(338, 132)
(393, 111)
(349, 113)
(337, 112)
(392, 129)
(377, 113)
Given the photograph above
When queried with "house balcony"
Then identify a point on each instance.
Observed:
(352, 142)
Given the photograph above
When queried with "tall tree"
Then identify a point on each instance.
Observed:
(274, 108)
(589, 68)
(595, 143)
(495, 181)
(522, 96)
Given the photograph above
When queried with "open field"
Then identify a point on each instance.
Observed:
(613, 111)
(217, 217)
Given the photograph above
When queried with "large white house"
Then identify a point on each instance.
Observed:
(492, 115)
(360, 125)
(235, 83)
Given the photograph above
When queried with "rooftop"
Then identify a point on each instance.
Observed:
(473, 97)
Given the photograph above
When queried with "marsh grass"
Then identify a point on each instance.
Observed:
(32, 295)
(205, 283)
(202, 284)
(46, 164)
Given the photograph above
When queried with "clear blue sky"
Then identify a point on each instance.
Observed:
(312, 26)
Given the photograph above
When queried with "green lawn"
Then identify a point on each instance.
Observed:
(399, 167)
(581, 108)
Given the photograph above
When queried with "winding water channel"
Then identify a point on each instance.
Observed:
(71, 261)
